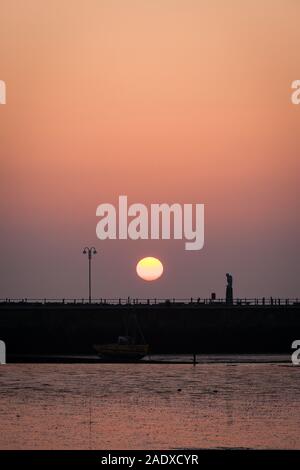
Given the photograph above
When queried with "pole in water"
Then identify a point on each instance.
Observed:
(194, 359)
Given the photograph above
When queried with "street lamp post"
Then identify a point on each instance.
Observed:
(90, 252)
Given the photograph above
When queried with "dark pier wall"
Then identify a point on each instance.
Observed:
(174, 328)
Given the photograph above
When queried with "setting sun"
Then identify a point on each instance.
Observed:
(149, 268)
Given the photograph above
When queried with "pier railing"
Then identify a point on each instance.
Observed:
(155, 301)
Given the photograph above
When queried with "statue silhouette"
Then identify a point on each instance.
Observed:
(229, 290)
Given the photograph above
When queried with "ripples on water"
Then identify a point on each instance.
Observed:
(144, 406)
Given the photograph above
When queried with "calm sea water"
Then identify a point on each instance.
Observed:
(219, 403)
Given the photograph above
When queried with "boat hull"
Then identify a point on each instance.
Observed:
(122, 352)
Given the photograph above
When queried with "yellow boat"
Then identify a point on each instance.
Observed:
(122, 352)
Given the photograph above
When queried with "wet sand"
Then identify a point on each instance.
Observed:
(219, 403)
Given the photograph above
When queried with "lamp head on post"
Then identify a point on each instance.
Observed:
(89, 251)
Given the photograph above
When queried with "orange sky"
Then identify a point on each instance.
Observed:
(165, 101)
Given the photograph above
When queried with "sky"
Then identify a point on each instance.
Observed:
(185, 101)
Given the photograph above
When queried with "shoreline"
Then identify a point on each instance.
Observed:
(153, 359)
